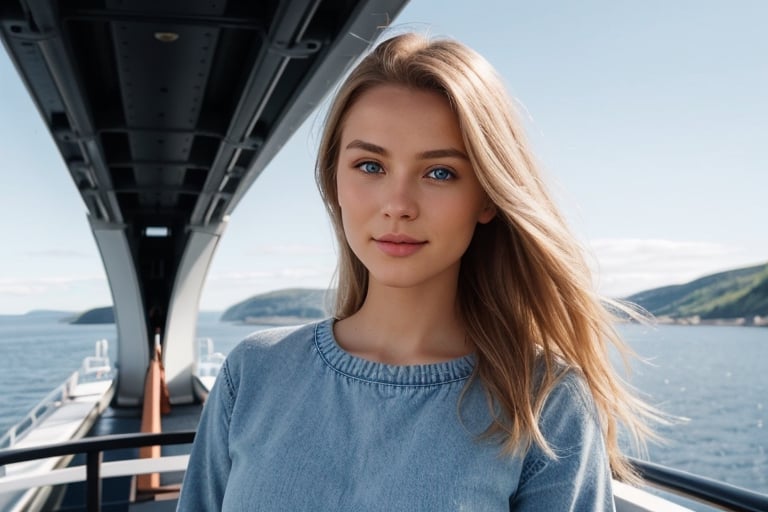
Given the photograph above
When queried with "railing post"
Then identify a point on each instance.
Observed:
(93, 480)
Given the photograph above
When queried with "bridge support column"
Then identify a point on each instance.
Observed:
(130, 320)
(179, 339)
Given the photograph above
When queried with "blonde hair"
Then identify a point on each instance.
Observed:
(525, 291)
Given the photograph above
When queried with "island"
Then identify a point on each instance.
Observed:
(733, 297)
(105, 315)
(281, 307)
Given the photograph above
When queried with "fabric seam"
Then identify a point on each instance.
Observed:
(371, 381)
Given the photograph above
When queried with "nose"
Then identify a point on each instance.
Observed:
(400, 200)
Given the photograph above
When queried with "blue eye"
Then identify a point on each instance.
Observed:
(369, 167)
(441, 174)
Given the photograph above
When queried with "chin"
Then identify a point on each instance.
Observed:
(401, 282)
(406, 280)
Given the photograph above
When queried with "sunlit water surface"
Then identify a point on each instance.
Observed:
(715, 377)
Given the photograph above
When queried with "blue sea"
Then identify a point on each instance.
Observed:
(716, 377)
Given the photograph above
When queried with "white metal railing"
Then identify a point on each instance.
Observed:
(68, 475)
(634, 499)
(628, 499)
(98, 365)
(94, 368)
(208, 362)
(39, 412)
(94, 469)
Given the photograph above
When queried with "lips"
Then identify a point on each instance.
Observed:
(398, 245)
(398, 239)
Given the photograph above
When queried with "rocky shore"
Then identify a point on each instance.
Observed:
(755, 321)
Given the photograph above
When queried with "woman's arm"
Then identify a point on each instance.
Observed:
(579, 478)
(209, 464)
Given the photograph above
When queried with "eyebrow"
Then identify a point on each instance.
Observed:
(367, 146)
(443, 153)
(425, 155)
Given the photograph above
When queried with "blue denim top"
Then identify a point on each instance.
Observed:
(295, 423)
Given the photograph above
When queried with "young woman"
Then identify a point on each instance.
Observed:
(466, 366)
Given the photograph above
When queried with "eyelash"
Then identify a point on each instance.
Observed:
(361, 166)
(451, 175)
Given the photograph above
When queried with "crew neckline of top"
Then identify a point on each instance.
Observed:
(354, 367)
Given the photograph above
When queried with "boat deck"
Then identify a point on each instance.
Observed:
(118, 492)
(66, 413)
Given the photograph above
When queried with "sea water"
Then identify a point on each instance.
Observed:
(715, 379)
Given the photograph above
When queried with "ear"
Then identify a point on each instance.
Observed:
(487, 213)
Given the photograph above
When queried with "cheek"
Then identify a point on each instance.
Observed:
(353, 198)
(340, 191)
(345, 192)
(348, 206)
(347, 214)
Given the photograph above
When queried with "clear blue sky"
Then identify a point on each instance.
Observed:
(650, 117)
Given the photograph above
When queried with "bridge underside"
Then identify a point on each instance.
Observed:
(165, 112)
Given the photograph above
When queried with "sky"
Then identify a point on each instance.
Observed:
(649, 117)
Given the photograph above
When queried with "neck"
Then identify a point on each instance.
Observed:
(405, 326)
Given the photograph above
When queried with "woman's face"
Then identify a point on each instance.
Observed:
(409, 197)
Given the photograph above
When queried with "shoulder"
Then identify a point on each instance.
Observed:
(268, 338)
(265, 349)
(568, 413)
(570, 391)
(560, 386)
(572, 472)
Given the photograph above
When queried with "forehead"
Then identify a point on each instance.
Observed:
(398, 114)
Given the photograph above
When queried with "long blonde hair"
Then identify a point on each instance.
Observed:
(525, 291)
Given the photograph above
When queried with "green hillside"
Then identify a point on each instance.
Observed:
(105, 315)
(740, 293)
(282, 306)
